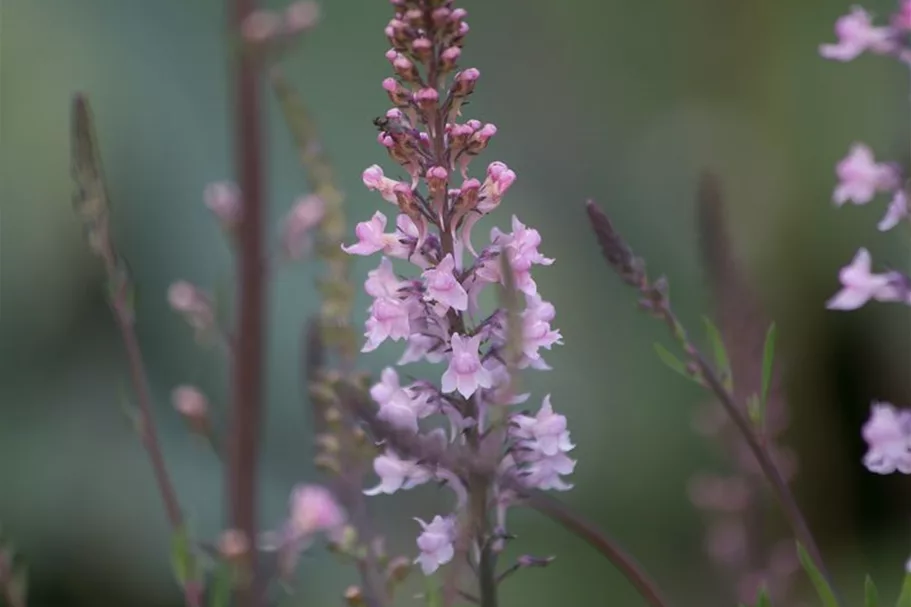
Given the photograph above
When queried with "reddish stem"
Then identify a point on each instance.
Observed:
(247, 389)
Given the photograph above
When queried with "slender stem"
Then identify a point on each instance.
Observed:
(571, 521)
(149, 433)
(247, 389)
(632, 270)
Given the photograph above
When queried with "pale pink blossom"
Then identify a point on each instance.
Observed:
(859, 285)
(224, 199)
(536, 331)
(314, 509)
(375, 179)
(371, 237)
(545, 433)
(435, 543)
(860, 177)
(423, 347)
(443, 286)
(396, 473)
(389, 319)
(888, 437)
(465, 374)
(897, 211)
(401, 407)
(857, 34)
(305, 215)
(382, 282)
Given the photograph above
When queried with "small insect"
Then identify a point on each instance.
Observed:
(382, 123)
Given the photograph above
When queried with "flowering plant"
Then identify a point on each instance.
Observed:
(470, 306)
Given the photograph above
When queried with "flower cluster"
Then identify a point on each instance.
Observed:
(436, 311)
(860, 179)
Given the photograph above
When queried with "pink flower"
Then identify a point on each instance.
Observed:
(389, 319)
(422, 347)
(888, 437)
(314, 509)
(443, 287)
(860, 286)
(544, 433)
(465, 373)
(860, 177)
(374, 179)
(382, 282)
(536, 331)
(856, 34)
(193, 304)
(435, 543)
(401, 407)
(371, 237)
(396, 473)
(304, 216)
(898, 210)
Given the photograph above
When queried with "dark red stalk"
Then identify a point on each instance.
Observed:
(247, 389)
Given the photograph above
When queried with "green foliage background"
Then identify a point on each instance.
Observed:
(621, 100)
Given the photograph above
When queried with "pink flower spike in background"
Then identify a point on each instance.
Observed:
(897, 211)
(888, 437)
(860, 177)
(859, 285)
(856, 34)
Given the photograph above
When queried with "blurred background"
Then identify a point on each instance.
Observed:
(622, 101)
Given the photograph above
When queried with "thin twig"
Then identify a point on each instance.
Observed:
(247, 373)
(632, 270)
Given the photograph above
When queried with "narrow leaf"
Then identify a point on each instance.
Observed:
(819, 582)
(181, 556)
(871, 596)
(433, 594)
(763, 599)
(722, 362)
(671, 361)
(220, 588)
(904, 599)
(768, 357)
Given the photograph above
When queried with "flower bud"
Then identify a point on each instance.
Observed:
(398, 95)
(192, 405)
(224, 200)
(261, 26)
(450, 56)
(464, 82)
(398, 569)
(354, 597)
(301, 16)
(313, 509)
(191, 303)
(306, 214)
(233, 544)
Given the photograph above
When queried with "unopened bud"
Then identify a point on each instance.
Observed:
(450, 56)
(398, 569)
(192, 404)
(436, 178)
(192, 303)
(224, 199)
(233, 544)
(398, 94)
(422, 47)
(313, 509)
(354, 596)
(301, 16)
(426, 98)
(261, 26)
(464, 82)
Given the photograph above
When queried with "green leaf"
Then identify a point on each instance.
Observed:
(220, 586)
(871, 596)
(182, 556)
(904, 599)
(819, 582)
(763, 599)
(722, 362)
(672, 361)
(433, 594)
(768, 357)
